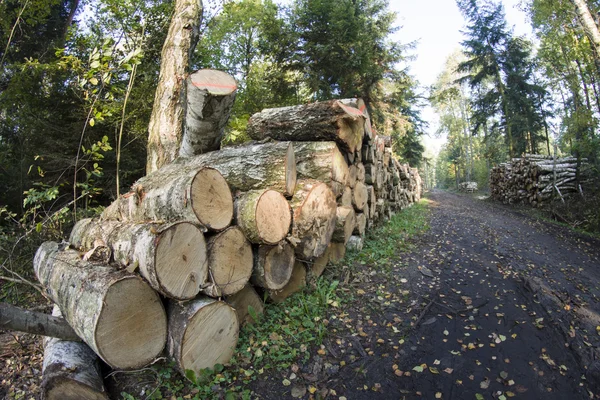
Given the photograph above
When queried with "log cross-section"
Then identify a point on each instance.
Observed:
(116, 313)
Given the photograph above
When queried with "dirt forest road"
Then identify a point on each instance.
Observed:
(508, 308)
(513, 310)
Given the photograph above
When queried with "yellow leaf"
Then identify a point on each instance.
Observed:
(94, 81)
(312, 389)
(438, 395)
(92, 122)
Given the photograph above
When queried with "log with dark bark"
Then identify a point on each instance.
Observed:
(177, 193)
(71, 370)
(210, 97)
(264, 216)
(296, 283)
(116, 313)
(229, 262)
(344, 224)
(314, 214)
(166, 121)
(321, 121)
(321, 161)
(202, 333)
(171, 257)
(248, 305)
(273, 266)
(19, 319)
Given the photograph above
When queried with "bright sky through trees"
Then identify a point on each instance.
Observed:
(436, 26)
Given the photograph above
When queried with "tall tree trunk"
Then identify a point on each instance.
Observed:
(166, 122)
(586, 19)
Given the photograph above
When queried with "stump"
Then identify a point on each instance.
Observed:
(210, 96)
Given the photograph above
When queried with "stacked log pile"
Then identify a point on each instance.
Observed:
(179, 261)
(534, 179)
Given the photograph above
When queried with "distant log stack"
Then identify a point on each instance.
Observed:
(535, 179)
(227, 223)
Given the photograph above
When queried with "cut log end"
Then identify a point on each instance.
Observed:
(211, 199)
(215, 82)
(131, 306)
(230, 262)
(297, 282)
(64, 389)
(273, 217)
(181, 261)
(273, 266)
(247, 304)
(207, 334)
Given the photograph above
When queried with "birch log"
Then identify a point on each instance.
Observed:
(116, 313)
(210, 97)
(177, 193)
(264, 216)
(202, 333)
(247, 304)
(171, 257)
(229, 262)
(314, 213)
(71, 370)
(321, 161)
(322, 121)
(273, 266)
(18, 319)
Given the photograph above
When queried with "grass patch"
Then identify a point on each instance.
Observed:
(288, 333)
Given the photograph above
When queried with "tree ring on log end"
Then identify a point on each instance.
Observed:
(230, 260)
(73, 390)
(211, 199)
(132, 326)
(276, 276)
(181, 261)
(273, 217)
(210, 337)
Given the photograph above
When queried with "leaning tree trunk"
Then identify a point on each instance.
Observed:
(229, 262)
(210, 97)
(264, 216)
(199, 195)
(166, 121)
(71, 370)
(171, 257)
(273, 266)
(321, 121)
(202, 333)
(314, 215)
(102, 304)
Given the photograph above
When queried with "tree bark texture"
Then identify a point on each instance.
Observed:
(18, 319)
(264, 216)
(71, 370)
(202, 333)
(171, 257)
(116, 313)
(322, 121)
(314, 214)
(175, 193)
(210, 97)
(166, 121)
